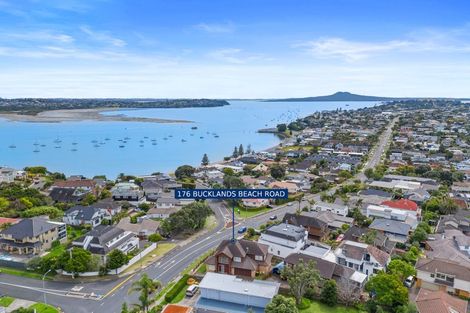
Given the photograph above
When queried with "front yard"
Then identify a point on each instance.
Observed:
(161, 249)
(5, 301)
(250, 212)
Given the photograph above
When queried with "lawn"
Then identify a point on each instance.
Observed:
(43, 308)
(180, 296)
(161, 249)
(22, 273)
(211, 222)
(202, 269)
(247, 213)
(5, 301)
(317, 307)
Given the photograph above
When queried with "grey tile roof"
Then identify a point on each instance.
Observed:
(29, 227)
(390, 226)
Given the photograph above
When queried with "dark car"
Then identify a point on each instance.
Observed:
(242, 229)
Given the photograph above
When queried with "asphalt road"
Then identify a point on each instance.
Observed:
(114, 292)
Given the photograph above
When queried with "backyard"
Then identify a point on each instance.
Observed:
(317, 307)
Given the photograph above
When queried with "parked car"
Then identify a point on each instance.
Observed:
(242, 229)
(192, 290)
(273, 218)
(409, 281)
(290, 204)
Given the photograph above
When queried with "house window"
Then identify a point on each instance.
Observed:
(259, 258)
(432, 275)
(223, 259)
(237, 259)
(350, 265)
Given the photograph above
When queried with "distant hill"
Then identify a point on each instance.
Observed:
(338, 96)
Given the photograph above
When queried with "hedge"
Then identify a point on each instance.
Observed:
(176, 289)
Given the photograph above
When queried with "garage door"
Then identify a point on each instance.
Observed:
(242, 272)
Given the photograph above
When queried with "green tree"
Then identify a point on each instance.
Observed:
(281, 128)
(300, 277)
(277, 171)
(281, 304)
(233, 182)
(50, 211)
(145, 286)
(124, 308)
(235, 152)
(155, 238)
(240, 150)
(184, 171)
(116, 259)
(75, 261)
(329, 293)
(205, 159)
(189, 219)
(401, 268)
(388, 289)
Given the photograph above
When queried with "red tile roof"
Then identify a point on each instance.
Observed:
(439, 302)
(4, 220)
(402, 204)
(176, 308)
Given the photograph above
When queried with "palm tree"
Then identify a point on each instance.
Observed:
(300, 197)
(146, 286)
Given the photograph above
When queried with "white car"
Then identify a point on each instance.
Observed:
(409, 281)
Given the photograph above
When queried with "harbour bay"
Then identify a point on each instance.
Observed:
(112, 147)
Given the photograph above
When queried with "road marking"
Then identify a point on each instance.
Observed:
(118, 285)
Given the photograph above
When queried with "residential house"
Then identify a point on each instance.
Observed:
(443, 275)
(127, 192)
(328, 269)
(395, 230)
(72, 190)
(226, 293)
(439, 301)
(104, 238)
(167, 202)
(241, 258)
(7, 174)
(339, 209)
(380, 240)
(317, 229)
(333, 220)
(161, 213)
(67, 195)
(362, 257)
(418, 195)
(151, 189)
(261, 168)
(452, 245)
(459, 220)
(284, 239)
(291, 187)
(142, 229)
(255, 203)
(32, 236)
(84, 215)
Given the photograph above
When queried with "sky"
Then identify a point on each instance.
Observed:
(233, 48)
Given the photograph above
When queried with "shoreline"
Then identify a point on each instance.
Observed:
(79, 115)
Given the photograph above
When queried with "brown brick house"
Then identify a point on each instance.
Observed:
(317, 229)
(241, 258)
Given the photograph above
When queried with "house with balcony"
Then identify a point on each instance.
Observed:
(284, 239)
(340, 209)
(32, 236)
(316, 228)
(362, 257)
(241, 258)
(105, 238)
(445, 275)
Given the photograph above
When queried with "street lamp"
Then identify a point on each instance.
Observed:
(44, 286)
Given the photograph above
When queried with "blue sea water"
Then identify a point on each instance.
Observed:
(101, 148)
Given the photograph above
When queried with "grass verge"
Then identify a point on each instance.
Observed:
(5, 301)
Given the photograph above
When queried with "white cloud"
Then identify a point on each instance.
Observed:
(103, 36)
(216, 28)
(41, 36)
(427, 40)
(234, 56)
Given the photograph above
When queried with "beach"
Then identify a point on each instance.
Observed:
(59, 116)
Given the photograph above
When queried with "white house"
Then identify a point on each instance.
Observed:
(339, 209)
(255, 203)
(227, 293)
(445, 275)
(284, 239)
(362, 257)
(7, 175)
